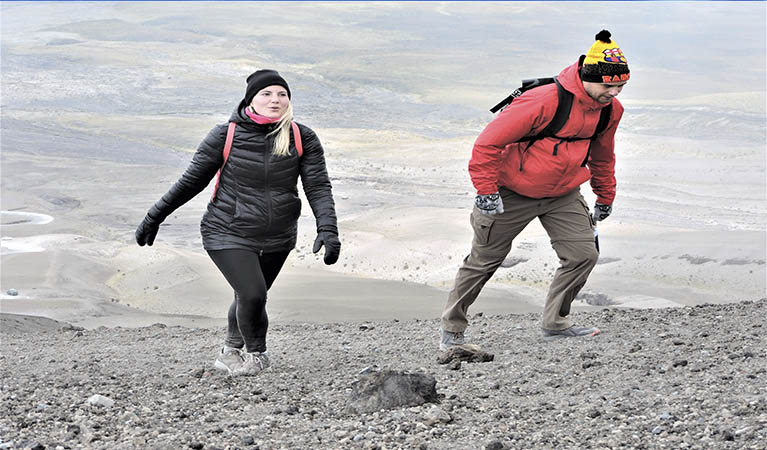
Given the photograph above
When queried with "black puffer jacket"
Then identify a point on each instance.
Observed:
(257, 205)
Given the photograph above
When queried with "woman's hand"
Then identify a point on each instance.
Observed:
(147, 231)
(331, 243)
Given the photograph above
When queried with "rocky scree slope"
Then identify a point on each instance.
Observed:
(690, 377)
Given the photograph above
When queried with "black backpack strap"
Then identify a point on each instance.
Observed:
(564, 106)
(562, 114)
(604, 120)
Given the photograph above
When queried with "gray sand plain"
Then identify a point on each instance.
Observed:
(103, 105)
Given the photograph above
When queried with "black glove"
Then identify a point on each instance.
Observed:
(331, 243)
(147, 231)
(489, 203)
(601, 212)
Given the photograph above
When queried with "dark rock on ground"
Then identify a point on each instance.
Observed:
(466, 352)
(389, 389)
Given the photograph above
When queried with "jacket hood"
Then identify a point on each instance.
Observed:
(238, 115)
(570, 79)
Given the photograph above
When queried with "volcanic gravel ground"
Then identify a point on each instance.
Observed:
(666, 378)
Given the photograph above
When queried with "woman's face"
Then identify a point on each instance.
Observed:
(271, 101)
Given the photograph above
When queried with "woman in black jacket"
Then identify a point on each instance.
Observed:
(250, 225)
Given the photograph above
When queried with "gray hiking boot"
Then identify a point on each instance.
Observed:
(451, 339)
(229, 360)
(573, 331)
(254, 363)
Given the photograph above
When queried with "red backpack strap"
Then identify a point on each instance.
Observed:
(297, 139)
(227, 149)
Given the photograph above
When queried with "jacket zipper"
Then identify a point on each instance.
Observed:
(524, 153)
(267, 158)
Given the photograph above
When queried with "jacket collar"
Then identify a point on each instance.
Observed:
(570, 79)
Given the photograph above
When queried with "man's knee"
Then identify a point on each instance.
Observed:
(484, 261)
(578, 254)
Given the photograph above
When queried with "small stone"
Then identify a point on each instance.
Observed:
(680, 363)
(196, 445)
(36, 446)
(12, 292)
(594, 413)
(248, 440)
(100, 400)
(369, 369)
(358, 437)
(666, 416)
(494, 445)
(587, 364)
(657, 430)
(436, 415)
(677, 342)
(728, 436)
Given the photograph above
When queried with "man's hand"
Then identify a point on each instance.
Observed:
(489, 203)
(601, 212)
(331, 243)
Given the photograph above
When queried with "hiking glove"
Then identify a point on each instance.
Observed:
(147, 231)
(601, 212)
(489, 203)
(331, 243)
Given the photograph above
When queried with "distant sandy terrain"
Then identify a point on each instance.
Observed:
(103, 105)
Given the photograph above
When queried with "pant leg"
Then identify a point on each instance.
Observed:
(271, 264)
(233, 336)
(492, 240)
(568, 222)
(244, 270)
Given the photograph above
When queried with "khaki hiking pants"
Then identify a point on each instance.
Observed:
(568, 223)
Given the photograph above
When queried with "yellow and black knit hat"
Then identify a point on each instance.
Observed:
(604, 62)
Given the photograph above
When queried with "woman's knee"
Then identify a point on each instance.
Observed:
(253, 297)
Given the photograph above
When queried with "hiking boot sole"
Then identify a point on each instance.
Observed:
(555, 337)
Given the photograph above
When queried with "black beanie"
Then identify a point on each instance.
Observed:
(261, 79)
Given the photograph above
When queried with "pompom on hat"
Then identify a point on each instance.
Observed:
(261, 79)
(605, 62)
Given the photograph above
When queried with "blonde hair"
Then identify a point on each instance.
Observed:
(282, 133)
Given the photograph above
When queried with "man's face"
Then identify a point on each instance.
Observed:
(603, 92)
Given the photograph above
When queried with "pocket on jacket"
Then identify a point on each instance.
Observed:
(248, 221)
(482, 225)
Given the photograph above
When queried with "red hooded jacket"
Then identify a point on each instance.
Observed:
(498, 159)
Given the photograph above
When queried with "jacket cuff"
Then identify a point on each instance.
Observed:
(328, 229)
(604, 201)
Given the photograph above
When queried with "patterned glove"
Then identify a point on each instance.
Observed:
(489, 203)
(601, 212)
(331, 243)
(147, 231)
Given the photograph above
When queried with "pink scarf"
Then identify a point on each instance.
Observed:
(258, 118)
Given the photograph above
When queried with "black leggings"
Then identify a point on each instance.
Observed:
(250, 275)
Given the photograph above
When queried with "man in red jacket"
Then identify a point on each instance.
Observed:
(519, 179)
